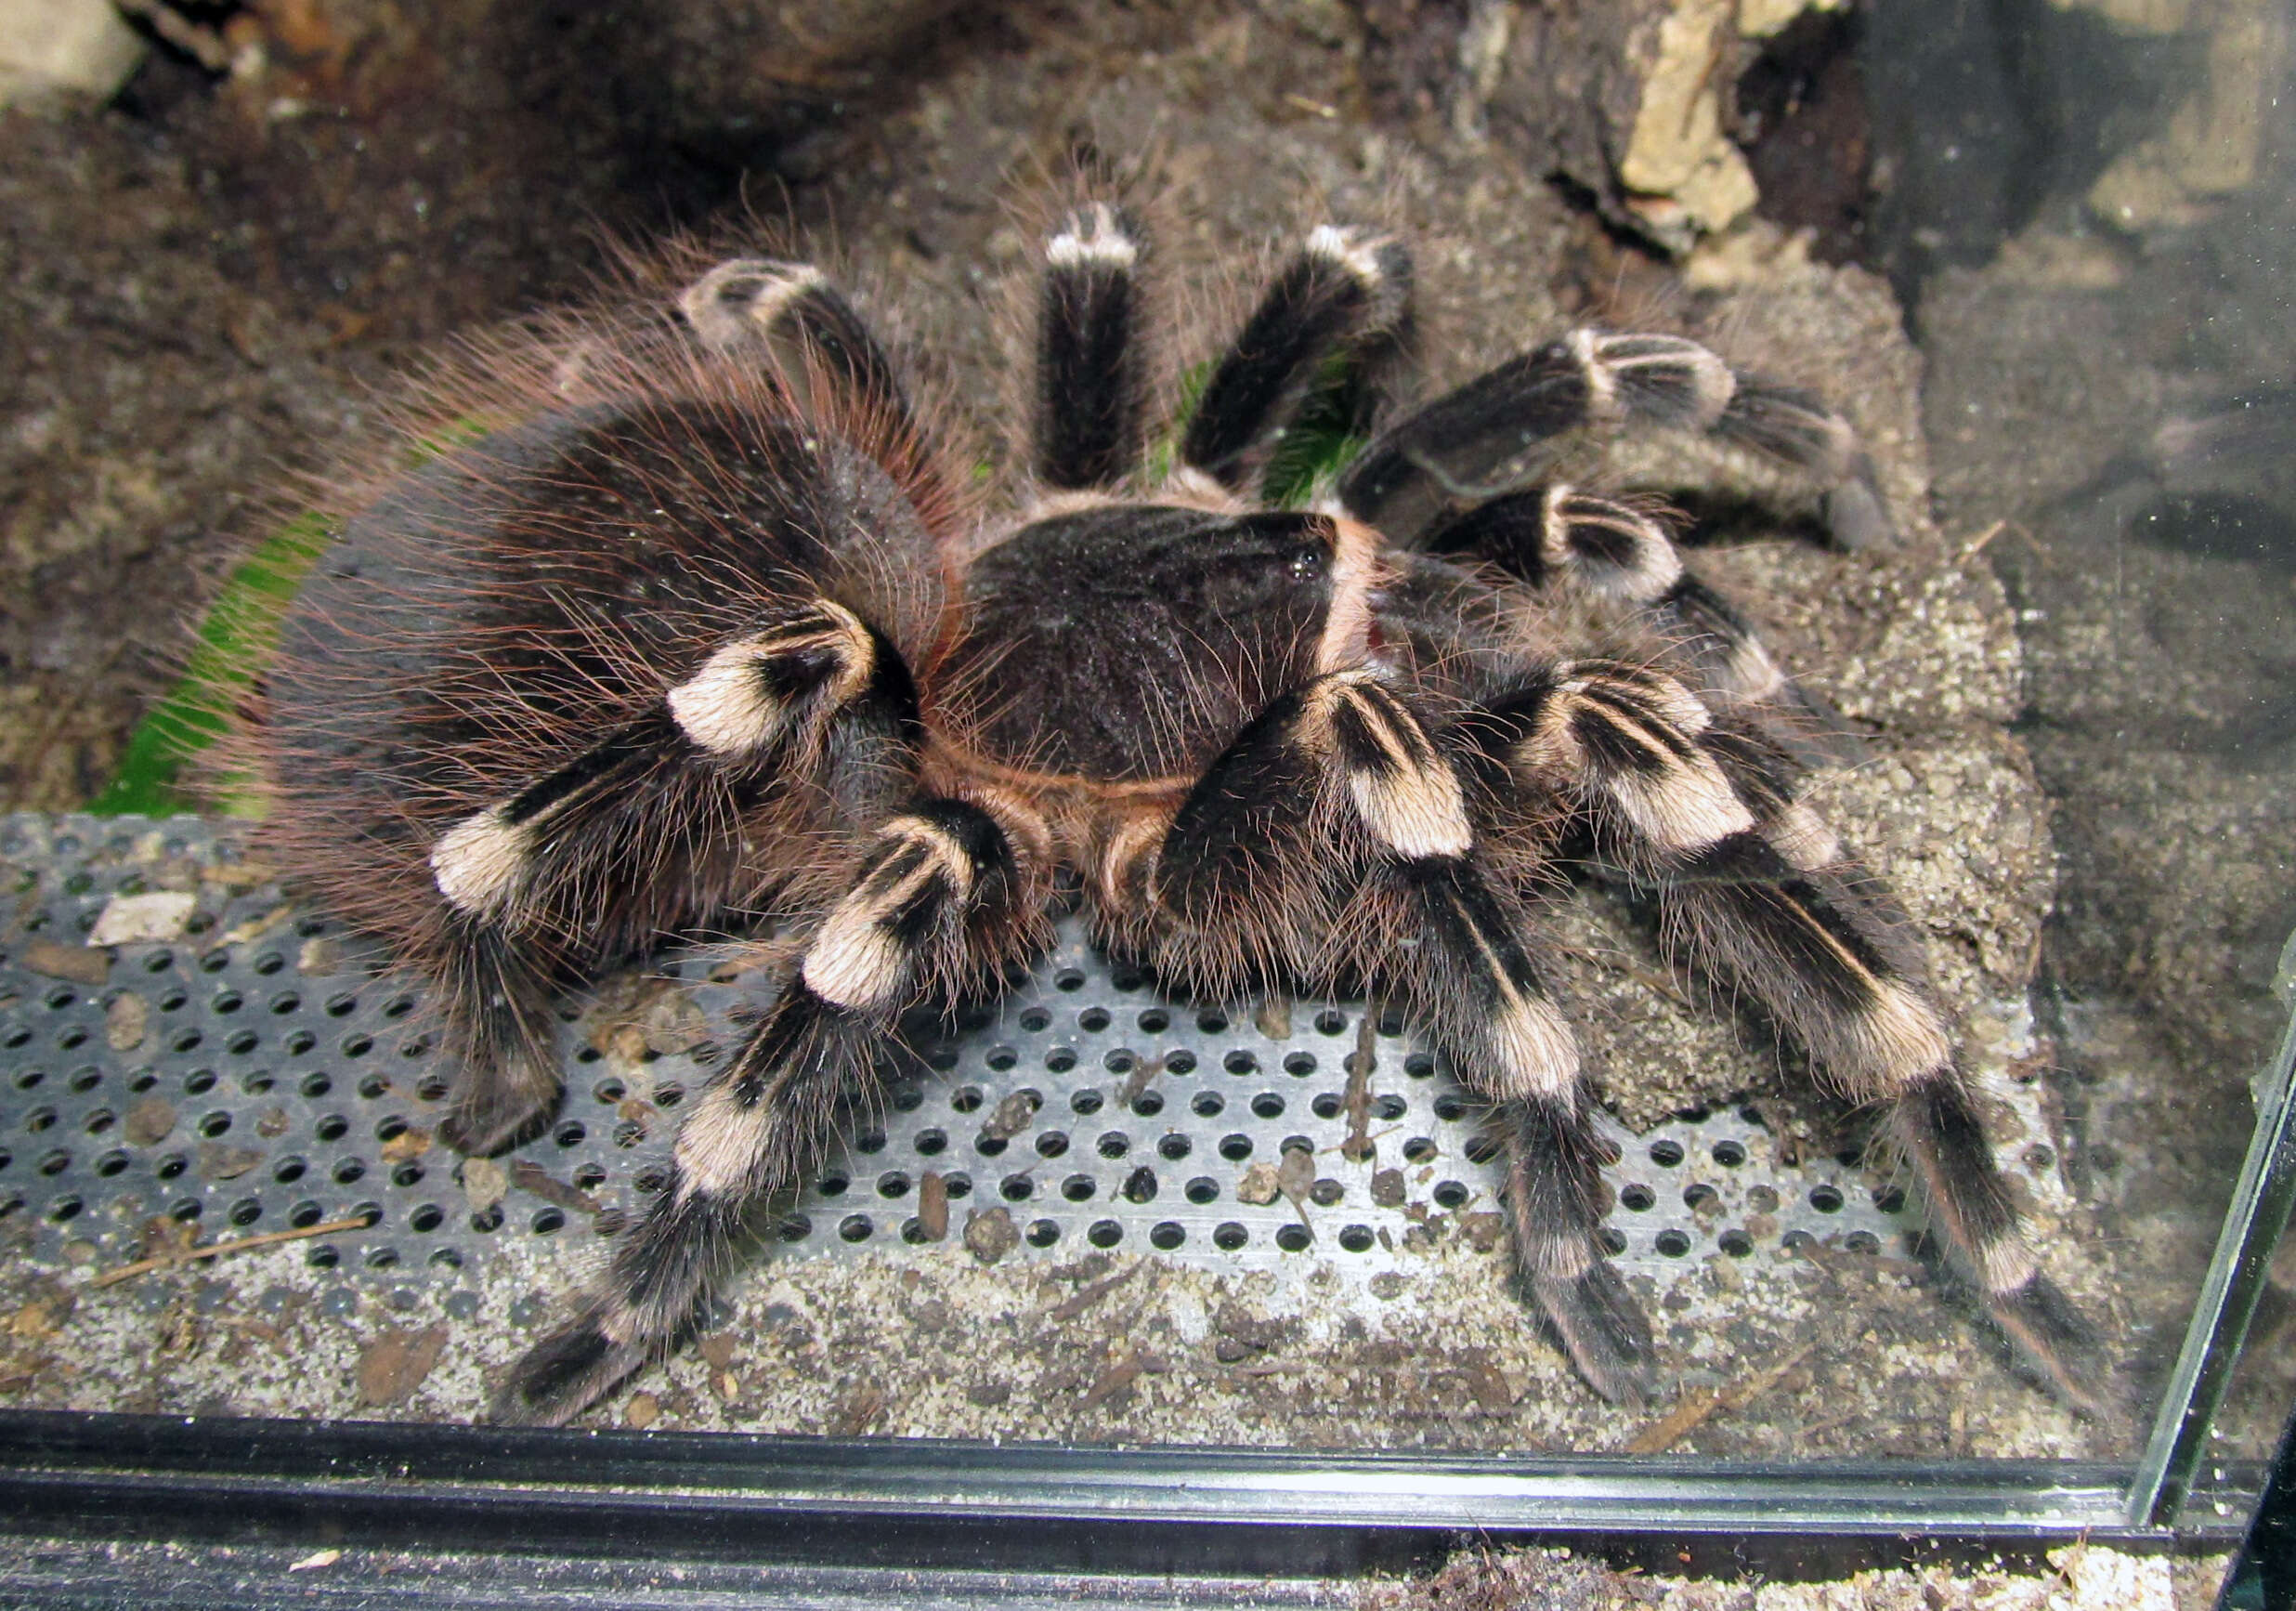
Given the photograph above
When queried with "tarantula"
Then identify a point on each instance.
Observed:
(690, 617)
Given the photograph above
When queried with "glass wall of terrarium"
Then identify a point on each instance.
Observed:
(2034, 253)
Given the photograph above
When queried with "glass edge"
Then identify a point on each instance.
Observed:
(58, 1462)
(2259, 1209)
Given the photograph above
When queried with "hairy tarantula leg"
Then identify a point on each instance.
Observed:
(508, 873)
(1757, 890)
(948, 892)
(1471, 980)
(791, 312)
(1568, 540)
(1846, 983)
(1446, 452)
(1245, 831)
(1343, 286)
(1092, 353)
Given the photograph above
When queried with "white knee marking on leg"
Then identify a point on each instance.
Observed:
(480, 861)
(1901, 1035)
(1711, 382)
(739, 300)
(1654, 692)
(1193, 489)
(1093, 235)
(855, 960)
(1751, 673)
(619, 1324)
(719, 1145)
(1413, 804)
(1653, 565)
(725, 707)
(1416, 814)
(2006, 1262)
(854, 963)
(1688, 806)
(1601, 385)
(1801, 836)
(1130, 856)
(1351, 250)
(1539, 1053)
(1680, 802)
(1554, 1258)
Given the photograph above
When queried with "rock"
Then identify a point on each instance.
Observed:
(159, 915)
(80, 964)
(149, 1122)
(52, 47)
(124, 1021)
(989, 1237)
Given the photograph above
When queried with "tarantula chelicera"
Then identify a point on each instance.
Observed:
(690, 616)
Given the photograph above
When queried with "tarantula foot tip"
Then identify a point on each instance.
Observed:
(485, 1129)
(1603, 1330)
(1856, 517)
(562, 1375)
(2054, 1340)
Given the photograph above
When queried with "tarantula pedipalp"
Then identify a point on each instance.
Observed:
(695, 623)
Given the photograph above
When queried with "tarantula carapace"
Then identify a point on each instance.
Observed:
(690, 616)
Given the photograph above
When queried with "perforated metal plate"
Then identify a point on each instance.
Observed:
(251, 1073)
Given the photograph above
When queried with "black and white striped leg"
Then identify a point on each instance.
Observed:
(1469, 977)
(631, 838)
(793, 315)
(1338, 810)
(1091, 352)
(1822, 960)
(1756, 889)
(1344, 286)
(1490, 436)
(1570, 543)
(946, 895)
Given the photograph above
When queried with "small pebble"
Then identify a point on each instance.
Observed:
(989, 1237)
(1260, 1184)
(159, 915)
(462, 1305)
(642, 1411)
(338, 1303)
(149, 1122)
(124, 1021)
